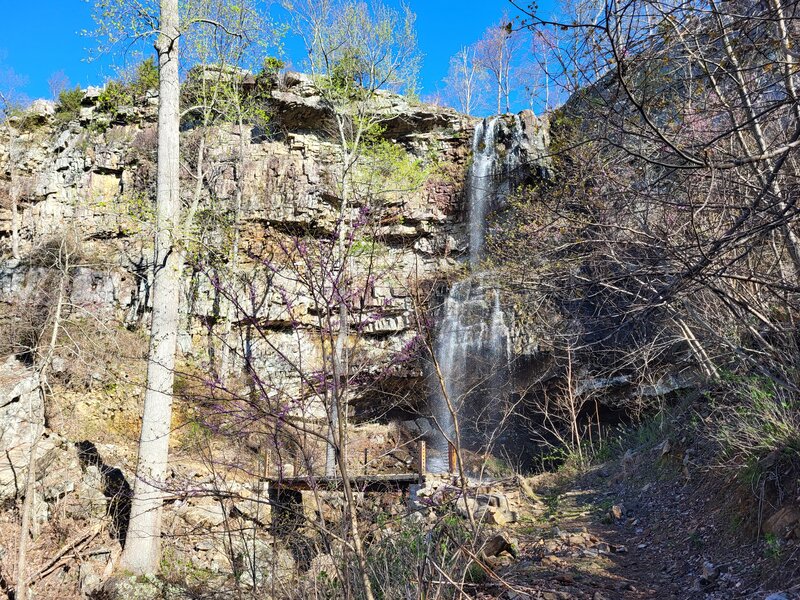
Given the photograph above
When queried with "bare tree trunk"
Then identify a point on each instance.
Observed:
(228, 338)
(339, 354)
(546, 80)
(14, 219)
(25, 522)
(467, 83)
(574, 411)
(143, 548)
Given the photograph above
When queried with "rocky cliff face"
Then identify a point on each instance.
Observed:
(21, 423)
(90, 181)
(77, 219)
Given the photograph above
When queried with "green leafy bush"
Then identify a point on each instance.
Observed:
(146, 78)
(272, 65)
(117, 93)
(69, 105)
(114, 95)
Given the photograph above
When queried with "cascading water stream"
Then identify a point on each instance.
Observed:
(491, 176)
(472, 351)
(473, 346)
(479, 187)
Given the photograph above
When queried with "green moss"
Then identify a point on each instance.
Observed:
(385, 169)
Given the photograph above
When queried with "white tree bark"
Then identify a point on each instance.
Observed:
(15, 193)
(143, 549)
(228, 335)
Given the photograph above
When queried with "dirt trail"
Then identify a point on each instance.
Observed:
(642, 530)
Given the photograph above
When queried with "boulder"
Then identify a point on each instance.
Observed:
(253, 507)
(495, 516)
(42, 109)
(466, 506)
(203, 512)
(131, 587)
(498, 544)
(785, 523)
(89, 580)
(92, 95)
(89, 499)
(299, 105)
(493, 508)
(323, 565)
(264, 562)
(21, 423)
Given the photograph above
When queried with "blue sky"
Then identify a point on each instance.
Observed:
(40, 38)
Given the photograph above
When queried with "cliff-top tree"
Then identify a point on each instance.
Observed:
(466, 81)
(496, 52)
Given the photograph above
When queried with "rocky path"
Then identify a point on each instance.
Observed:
(571, 553)
(650, 535)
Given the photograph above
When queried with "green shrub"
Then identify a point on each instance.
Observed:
(114, 95)
(763, 419)
(146, 78)
(69, 105)
(272, 65)
(772, 546)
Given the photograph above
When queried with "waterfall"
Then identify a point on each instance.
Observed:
(472, 350)
(495, 167)
(479, 185)
(473, 343)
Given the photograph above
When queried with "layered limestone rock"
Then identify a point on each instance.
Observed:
(91, 181)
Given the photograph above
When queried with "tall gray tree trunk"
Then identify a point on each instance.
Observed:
(228, 336)
(143, 548)
(14, 218)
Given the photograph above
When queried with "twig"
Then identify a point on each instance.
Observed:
(456, 585)
(56, 561)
